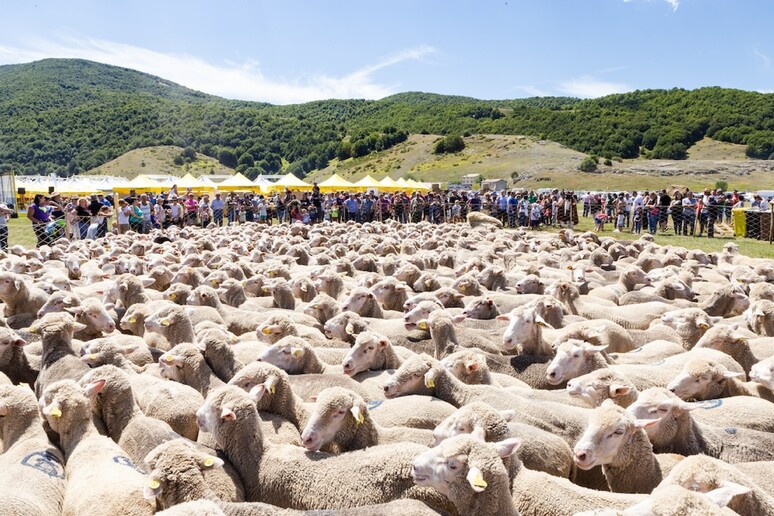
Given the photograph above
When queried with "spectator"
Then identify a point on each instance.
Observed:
(176, 212)
(352, 207)
(135, 217)
(145, 208)
(205, 216)
(82, 217)
(637, 219)
(689, 213)
(232, 208)
(651, 207)
(5, 212)
(676, 209)
(39, 214)
(217, 209)
(191, 210)
(123, 216)
(96, 222)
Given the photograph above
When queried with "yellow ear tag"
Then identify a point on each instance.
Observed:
(422, 325)
(428, 283)
(234, 338)
(33, 329)
(264, 289)
(430, 383)
(132, 320)
(165, 322)
(172, 296)
(169, 359)
(479, 481)
(55, 412)
(463, 287)
(315, 306)
(359, 417)
(153, 483)
(272, 389)
(266, 331)
(209, 461)
(703, 326)
(349, 328)
(93, 356)
(297, 353)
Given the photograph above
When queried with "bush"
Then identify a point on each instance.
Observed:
(589, 164)
(722, 185)
(608, 162)
(449, 144)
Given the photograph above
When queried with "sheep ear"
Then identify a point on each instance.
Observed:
(617, 390)
(731, 374)
(357, 414)
(383, 343)
(147, 282)
(313, 397)
(508, 415)
(594, 349)
(20, 342)
(109, 306)
(476, 479)
(78, 327)
(212, 462)
(74, 310)
(152, 489)
(430, 377)
(503, 317)
(471, 366)
(94, 388)
(459, 318)
(722, 495)
(646, 423)
(297, 352)
(257, 392)
(507, 447)
(128, 349)
(227, 414)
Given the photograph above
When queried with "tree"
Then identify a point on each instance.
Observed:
(721, 185)
(449, 144)
(227, 158)
(189, 153)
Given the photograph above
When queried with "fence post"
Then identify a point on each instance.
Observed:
(771, 223)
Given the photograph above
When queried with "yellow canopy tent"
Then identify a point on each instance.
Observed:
(389, 184)
(237, 182)
(368, 182)
(415, 185)
(189, 181)
(141, 184)
(290, 182)
(263, 184)
(335, 183)
(402, 182)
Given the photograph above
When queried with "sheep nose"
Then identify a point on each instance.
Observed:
(671, 388)
(111, 328)
(552, 374)
(581, 455)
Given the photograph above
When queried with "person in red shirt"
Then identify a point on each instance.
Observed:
(191, 209)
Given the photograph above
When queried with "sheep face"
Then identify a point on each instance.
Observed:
(521, 324)
(10, 284)
(699, 378)
(481, 308)
(95, 316)
(58, 302)
(459, 464)
(288, 354)
(570, 359)
(594, 388)
(358, 300)
(610, 429)
(530, 284)
(763, 373)
(665, 409)
(409, 378)
(333, 408)
(9, 340)
(464, 365)
(175, 464)
(688, 320)
(274, 328)
(65, 404)
(420, 313)
(345, 326)
(162, 320)
(363, 354)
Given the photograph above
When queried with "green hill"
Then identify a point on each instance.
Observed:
(69, 116)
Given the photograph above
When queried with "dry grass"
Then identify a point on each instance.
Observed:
(158, 160)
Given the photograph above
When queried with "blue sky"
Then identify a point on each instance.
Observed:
(290, 51)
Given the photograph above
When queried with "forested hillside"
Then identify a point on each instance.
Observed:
(68, 116)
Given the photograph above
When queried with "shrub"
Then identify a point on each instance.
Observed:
(449, 144)
(589, 164)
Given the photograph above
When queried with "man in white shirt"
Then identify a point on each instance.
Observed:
(217, 209)
(145, 208)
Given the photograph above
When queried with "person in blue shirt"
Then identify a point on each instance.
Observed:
(352, 208)
(502, 204)
(513, 209)
(475, 202)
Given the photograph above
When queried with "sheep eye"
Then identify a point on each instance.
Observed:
(576, 355)
(619, 431)
(451, 466)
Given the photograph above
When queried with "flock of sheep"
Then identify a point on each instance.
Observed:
(385, 369)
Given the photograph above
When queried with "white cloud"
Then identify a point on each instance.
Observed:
(533, 91)
(588, 87)
(674, 3)
(766, 59)
(243, 81)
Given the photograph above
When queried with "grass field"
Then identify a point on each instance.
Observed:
(159, 160)
(20, 233)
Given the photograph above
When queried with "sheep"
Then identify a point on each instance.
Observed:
(726, 301)
(21, 301)
(14, 361)
(469, 365)
(330, 283)
(58, 301)
(127, 290)
(462, 467)
(762, 373)
(424, 375)
(602, 384)
(530, 284)
(760, 317)
(478, 219)
(363, 302)
(185, 364)
(345, 327)
(171, 402)
(237, 321)
(32, 476)
(178, 293)
(390, 293)
(323, 308)
(675, 431)
(705, 474)
(94, 315)
(162, 278)
(629, 317)
(371, 351)
(231, 416)
(215, 345)
(58, 360)
(97, 471)
(676, 500)
(279, 325)
(685, 326)
(133, 320)
(671, 289)
(172, 323)
(304, 289)
(296, 356)
(493, 278)
(703, 379)
(575, 358)
(340, 418)
(616, 440)
(630, 277)
(539, 451)
(731, 342)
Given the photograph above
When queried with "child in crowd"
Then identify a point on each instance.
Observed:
(599, 221)
(637, 219)
(534, 216)
(456, 212)
(619, 222)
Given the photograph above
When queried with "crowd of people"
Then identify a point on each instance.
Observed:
(88, 217)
